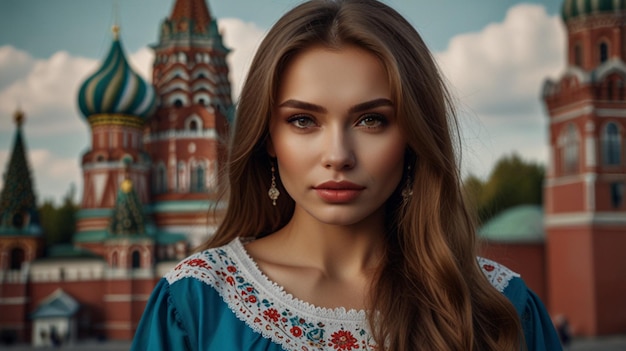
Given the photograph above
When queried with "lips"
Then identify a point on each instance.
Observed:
(338, 192)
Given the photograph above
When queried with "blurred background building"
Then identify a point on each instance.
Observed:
(576, 259)
(151, 179)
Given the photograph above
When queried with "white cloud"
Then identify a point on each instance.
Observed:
(496, 75)
(141, 62)
(14, 64)
(46, 90)
(242, 38)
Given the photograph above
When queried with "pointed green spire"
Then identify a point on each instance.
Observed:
(18, 206)
(127, 218)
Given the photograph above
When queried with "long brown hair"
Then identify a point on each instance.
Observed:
(430, 293)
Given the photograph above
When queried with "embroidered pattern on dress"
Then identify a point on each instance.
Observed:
(498, 275)
(268, 310)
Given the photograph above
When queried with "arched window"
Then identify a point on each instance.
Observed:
(569, 144)
(193, 123)
(611, 145)
(198, 180)
(178, 103)
(16, 258)
(160, 179)
(604, 52)
(136, 259)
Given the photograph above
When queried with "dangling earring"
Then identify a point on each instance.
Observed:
(407, 190)
(273, 193)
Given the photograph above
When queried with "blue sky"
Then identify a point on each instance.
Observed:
(495, 55)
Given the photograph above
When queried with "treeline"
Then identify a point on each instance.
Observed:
(59, 221)
(512, 182)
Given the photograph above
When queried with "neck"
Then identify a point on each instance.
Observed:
(336, 250)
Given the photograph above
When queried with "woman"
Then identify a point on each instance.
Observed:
(346, 227)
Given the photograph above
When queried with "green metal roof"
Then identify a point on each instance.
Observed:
(520, 224)
(581, 8)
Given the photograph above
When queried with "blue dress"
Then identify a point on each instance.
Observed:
(218, 299)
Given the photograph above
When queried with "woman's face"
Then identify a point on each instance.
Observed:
(335, 135)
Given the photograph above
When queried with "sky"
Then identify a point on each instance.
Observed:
(494, 54)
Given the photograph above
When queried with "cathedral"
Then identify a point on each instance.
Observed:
(151, 189)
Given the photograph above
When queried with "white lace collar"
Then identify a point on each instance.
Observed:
(268, 310)
(277, 315)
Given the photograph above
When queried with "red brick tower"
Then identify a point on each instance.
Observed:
(584, 190)
(116, 102)
(188, 132)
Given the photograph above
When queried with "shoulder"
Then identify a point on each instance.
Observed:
(498, 275)
(507, 282)
(205, 266)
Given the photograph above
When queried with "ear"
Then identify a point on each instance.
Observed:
(269, 147)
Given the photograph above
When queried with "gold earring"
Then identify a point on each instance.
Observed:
(273, 193)
(407, 190)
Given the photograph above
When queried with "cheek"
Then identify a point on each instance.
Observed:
(388, 160)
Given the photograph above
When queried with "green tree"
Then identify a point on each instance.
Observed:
(59, 223)
(512, 182)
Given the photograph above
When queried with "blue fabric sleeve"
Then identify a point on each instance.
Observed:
(191, 315)
(160, 327)
(539, 331)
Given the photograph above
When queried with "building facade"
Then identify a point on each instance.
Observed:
(151, 182)
(585, 211)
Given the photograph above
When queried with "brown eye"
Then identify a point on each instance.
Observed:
(372, 121)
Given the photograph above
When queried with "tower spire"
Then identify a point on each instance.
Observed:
(18, 207)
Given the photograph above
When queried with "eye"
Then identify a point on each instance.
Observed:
(372, 121)
(301, 121)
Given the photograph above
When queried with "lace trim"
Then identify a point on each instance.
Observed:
(280, 317)
(498, 275)
(268, 310)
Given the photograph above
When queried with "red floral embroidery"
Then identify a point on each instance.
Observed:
(252, 299)
(272, 314)
(489, 267)
(230, 280)
(343, 340)
(232, 269)
(196, 262)
(296, 331)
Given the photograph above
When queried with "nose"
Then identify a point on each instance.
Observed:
(338, 150)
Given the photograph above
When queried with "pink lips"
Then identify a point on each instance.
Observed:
(338, 192)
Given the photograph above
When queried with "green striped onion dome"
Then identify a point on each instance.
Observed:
(116, 89)
(580, 8)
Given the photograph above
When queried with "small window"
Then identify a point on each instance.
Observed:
(604, 52)
(617, 194)
(178, 103)
(570, 149)
(17, 258)
(193, 125)
(611, 145)
(136, 260)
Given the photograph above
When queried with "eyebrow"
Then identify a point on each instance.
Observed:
(364, 106)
